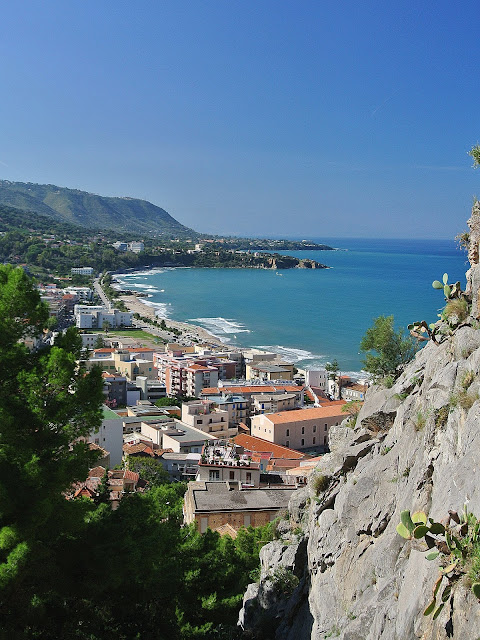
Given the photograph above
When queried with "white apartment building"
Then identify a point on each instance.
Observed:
(201, 415)
(90, 317)
(81, 271)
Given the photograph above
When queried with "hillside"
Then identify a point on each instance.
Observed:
(90, 210)
(340, 569)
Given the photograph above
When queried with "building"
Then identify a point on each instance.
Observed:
(215, 504)
(227, 389)
(81, 271)
(89, 340)
(171, 434)
(235, 406)
(136, 247)
(82, 293)
(198, 377)
(351, 391)
(90, 317)
(114, 389)
(180, 466)
(110, 435)
(202, 415)
(317, 378)
(268, 454)
(269, 371)
(299, 429)
(150, 389)
(272, 403)
(224, 461)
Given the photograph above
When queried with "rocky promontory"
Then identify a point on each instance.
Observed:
(339, 568)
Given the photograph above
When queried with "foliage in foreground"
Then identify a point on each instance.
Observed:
(456, 544)
(73, 569)
(386, 349)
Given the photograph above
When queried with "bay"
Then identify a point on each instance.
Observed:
(310, 316)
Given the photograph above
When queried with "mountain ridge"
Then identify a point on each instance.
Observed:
(91, 210)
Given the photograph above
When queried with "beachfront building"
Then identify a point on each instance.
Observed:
(299, 429)
(317, 378)
(269, 371)
(98, 317)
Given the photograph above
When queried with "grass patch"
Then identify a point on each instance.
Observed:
(320, 483)
(420, 420)
(441, 416)
(463, 399)
(456, 311)
(467, 379)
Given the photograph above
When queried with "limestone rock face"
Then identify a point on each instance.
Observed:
(357, 578)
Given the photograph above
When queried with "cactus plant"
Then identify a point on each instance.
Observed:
(454, 544)
(449, 290)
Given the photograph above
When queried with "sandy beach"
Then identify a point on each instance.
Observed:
(190, 333)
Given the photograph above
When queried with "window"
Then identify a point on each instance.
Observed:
(314, 428)
(287, 443)
(214, 475)
(232, 475)
(288, 432)
(314, 440)
(303, 441)
(303, 430)
(326, 427)
(325, 440)
(249, 477)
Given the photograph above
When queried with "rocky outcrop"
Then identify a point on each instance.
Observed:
(415, 446)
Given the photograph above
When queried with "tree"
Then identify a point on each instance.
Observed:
(386, 349)
(47, 405)
(149, 469)
(333, 371)
(99, 342)
(352, 408)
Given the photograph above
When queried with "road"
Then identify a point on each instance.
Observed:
(100, 292)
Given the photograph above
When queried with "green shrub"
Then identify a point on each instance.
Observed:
(320, 483)
(284, 581)
(441, 416)
(456, 311)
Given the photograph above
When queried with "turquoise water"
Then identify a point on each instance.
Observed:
(310, 316)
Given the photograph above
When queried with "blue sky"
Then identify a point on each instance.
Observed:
(313, 118)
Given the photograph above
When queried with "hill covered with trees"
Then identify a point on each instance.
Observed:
(90, 210)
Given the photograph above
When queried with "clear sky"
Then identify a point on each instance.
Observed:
(255, 117)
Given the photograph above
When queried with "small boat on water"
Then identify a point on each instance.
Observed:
(278, 274)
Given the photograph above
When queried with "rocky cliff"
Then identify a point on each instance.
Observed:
(339, 568)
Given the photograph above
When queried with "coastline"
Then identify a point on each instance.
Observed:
(190, 332)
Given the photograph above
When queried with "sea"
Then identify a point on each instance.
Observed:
(309, 316)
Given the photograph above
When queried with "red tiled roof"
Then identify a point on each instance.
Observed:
(258, 445)
(297, 415)
(131, 475)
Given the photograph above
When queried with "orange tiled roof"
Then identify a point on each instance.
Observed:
(96, 472)
(297, 415)
(258, 445)
(131, 475)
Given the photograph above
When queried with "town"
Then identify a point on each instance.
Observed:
(225, 420)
